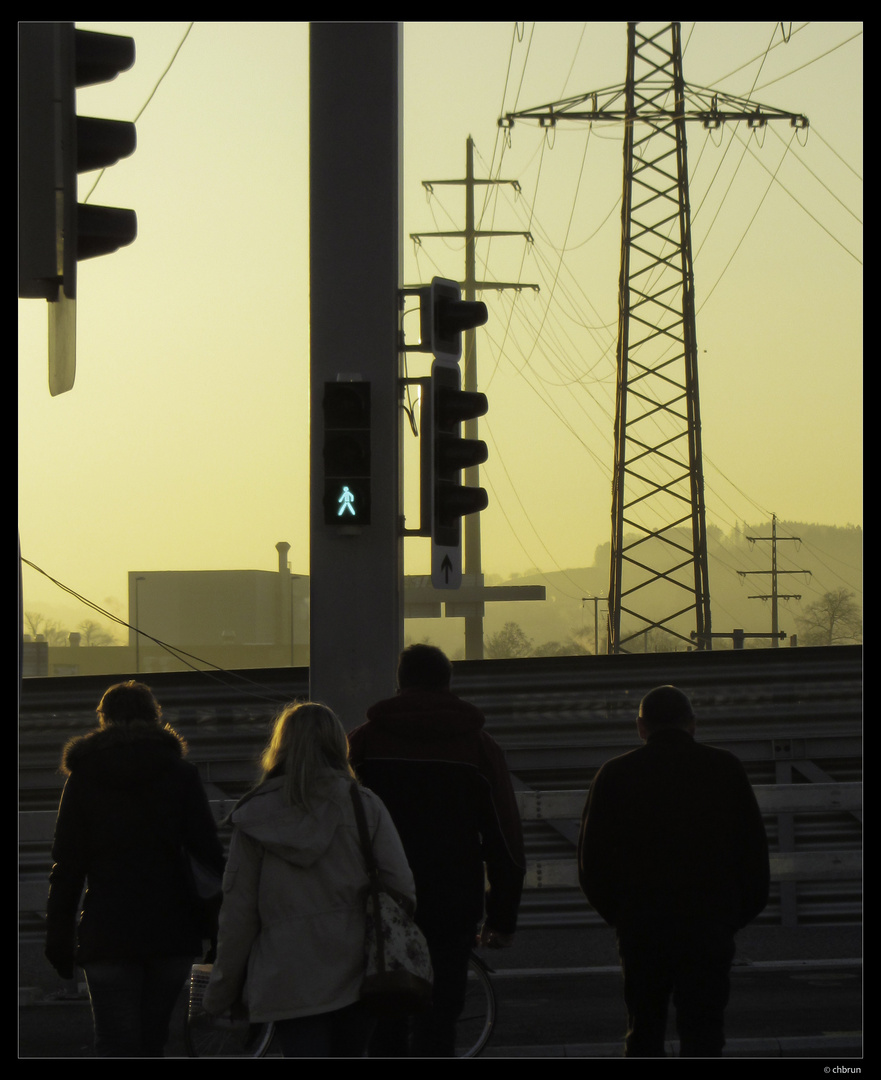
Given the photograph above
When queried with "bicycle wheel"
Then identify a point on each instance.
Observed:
(220, 1036)
(476, 1022)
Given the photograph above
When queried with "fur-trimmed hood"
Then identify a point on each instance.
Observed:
(118, 756)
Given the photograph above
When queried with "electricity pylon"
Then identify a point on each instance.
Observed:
(659, 578)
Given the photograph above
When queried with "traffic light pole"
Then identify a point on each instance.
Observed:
(356, 569)
(471, 523)
(472, 564)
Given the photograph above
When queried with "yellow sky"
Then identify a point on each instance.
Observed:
(184, 442)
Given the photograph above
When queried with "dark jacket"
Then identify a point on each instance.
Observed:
(672, 834)
(447, 788)
(129, 806)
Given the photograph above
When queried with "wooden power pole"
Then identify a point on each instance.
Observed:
(774, 595)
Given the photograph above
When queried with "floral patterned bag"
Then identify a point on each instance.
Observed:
(398, 975)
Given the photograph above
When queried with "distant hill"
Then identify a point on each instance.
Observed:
(832, 554)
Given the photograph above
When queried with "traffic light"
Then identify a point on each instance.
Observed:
(55, 145)
(450, 454)
(55, 231)
(346, 407)
(443, 316)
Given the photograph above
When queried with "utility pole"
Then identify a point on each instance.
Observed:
(596, 620)
(472, 565)
(659, 577)
(774, 595)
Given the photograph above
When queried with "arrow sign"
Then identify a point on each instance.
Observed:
(446, 567)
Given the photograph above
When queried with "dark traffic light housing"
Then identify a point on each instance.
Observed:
(444, 316)
(55, 145)
(450, 454)
(346, 408)
(98, 144)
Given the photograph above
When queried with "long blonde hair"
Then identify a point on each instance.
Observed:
(307, 741)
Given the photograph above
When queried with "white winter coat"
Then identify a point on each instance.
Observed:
(291, 940)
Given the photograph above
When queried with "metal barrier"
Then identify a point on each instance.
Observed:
(37, 827)
(554, 806)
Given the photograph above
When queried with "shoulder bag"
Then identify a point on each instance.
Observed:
(398, 976)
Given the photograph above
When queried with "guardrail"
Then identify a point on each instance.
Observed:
(557, 806)
(37, 827)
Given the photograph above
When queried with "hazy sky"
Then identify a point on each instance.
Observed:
(184, 442)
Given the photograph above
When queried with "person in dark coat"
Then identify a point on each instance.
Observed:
(673, 854)
(130, 807)
(446, 785)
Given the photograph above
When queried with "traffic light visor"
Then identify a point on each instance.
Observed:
(444, 316)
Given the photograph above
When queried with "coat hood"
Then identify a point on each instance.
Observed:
(120, 756)
(298, 836)
(425, 715)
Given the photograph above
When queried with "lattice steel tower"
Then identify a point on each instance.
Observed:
(659, 579)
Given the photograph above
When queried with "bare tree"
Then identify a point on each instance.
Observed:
(834, 619)
(579, 643)
(54, 633)
(95, 634)
(509, 643)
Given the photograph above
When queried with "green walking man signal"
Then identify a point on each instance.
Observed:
(346, 408)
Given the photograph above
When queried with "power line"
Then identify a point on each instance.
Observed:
(147, 102)
(749, 224)
(813, 218)
(835, 152)
(825, 187)
(808, 63)
(179, 654)
(761, 56)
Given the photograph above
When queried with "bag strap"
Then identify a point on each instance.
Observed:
(364, 835)
(372, 871)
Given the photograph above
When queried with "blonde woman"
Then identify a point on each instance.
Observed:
(291, 941)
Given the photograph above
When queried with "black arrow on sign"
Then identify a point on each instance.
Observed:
(447, 568)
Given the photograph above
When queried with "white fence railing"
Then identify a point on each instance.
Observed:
(36, 827)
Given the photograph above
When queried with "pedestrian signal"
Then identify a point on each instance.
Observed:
(346, 407)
